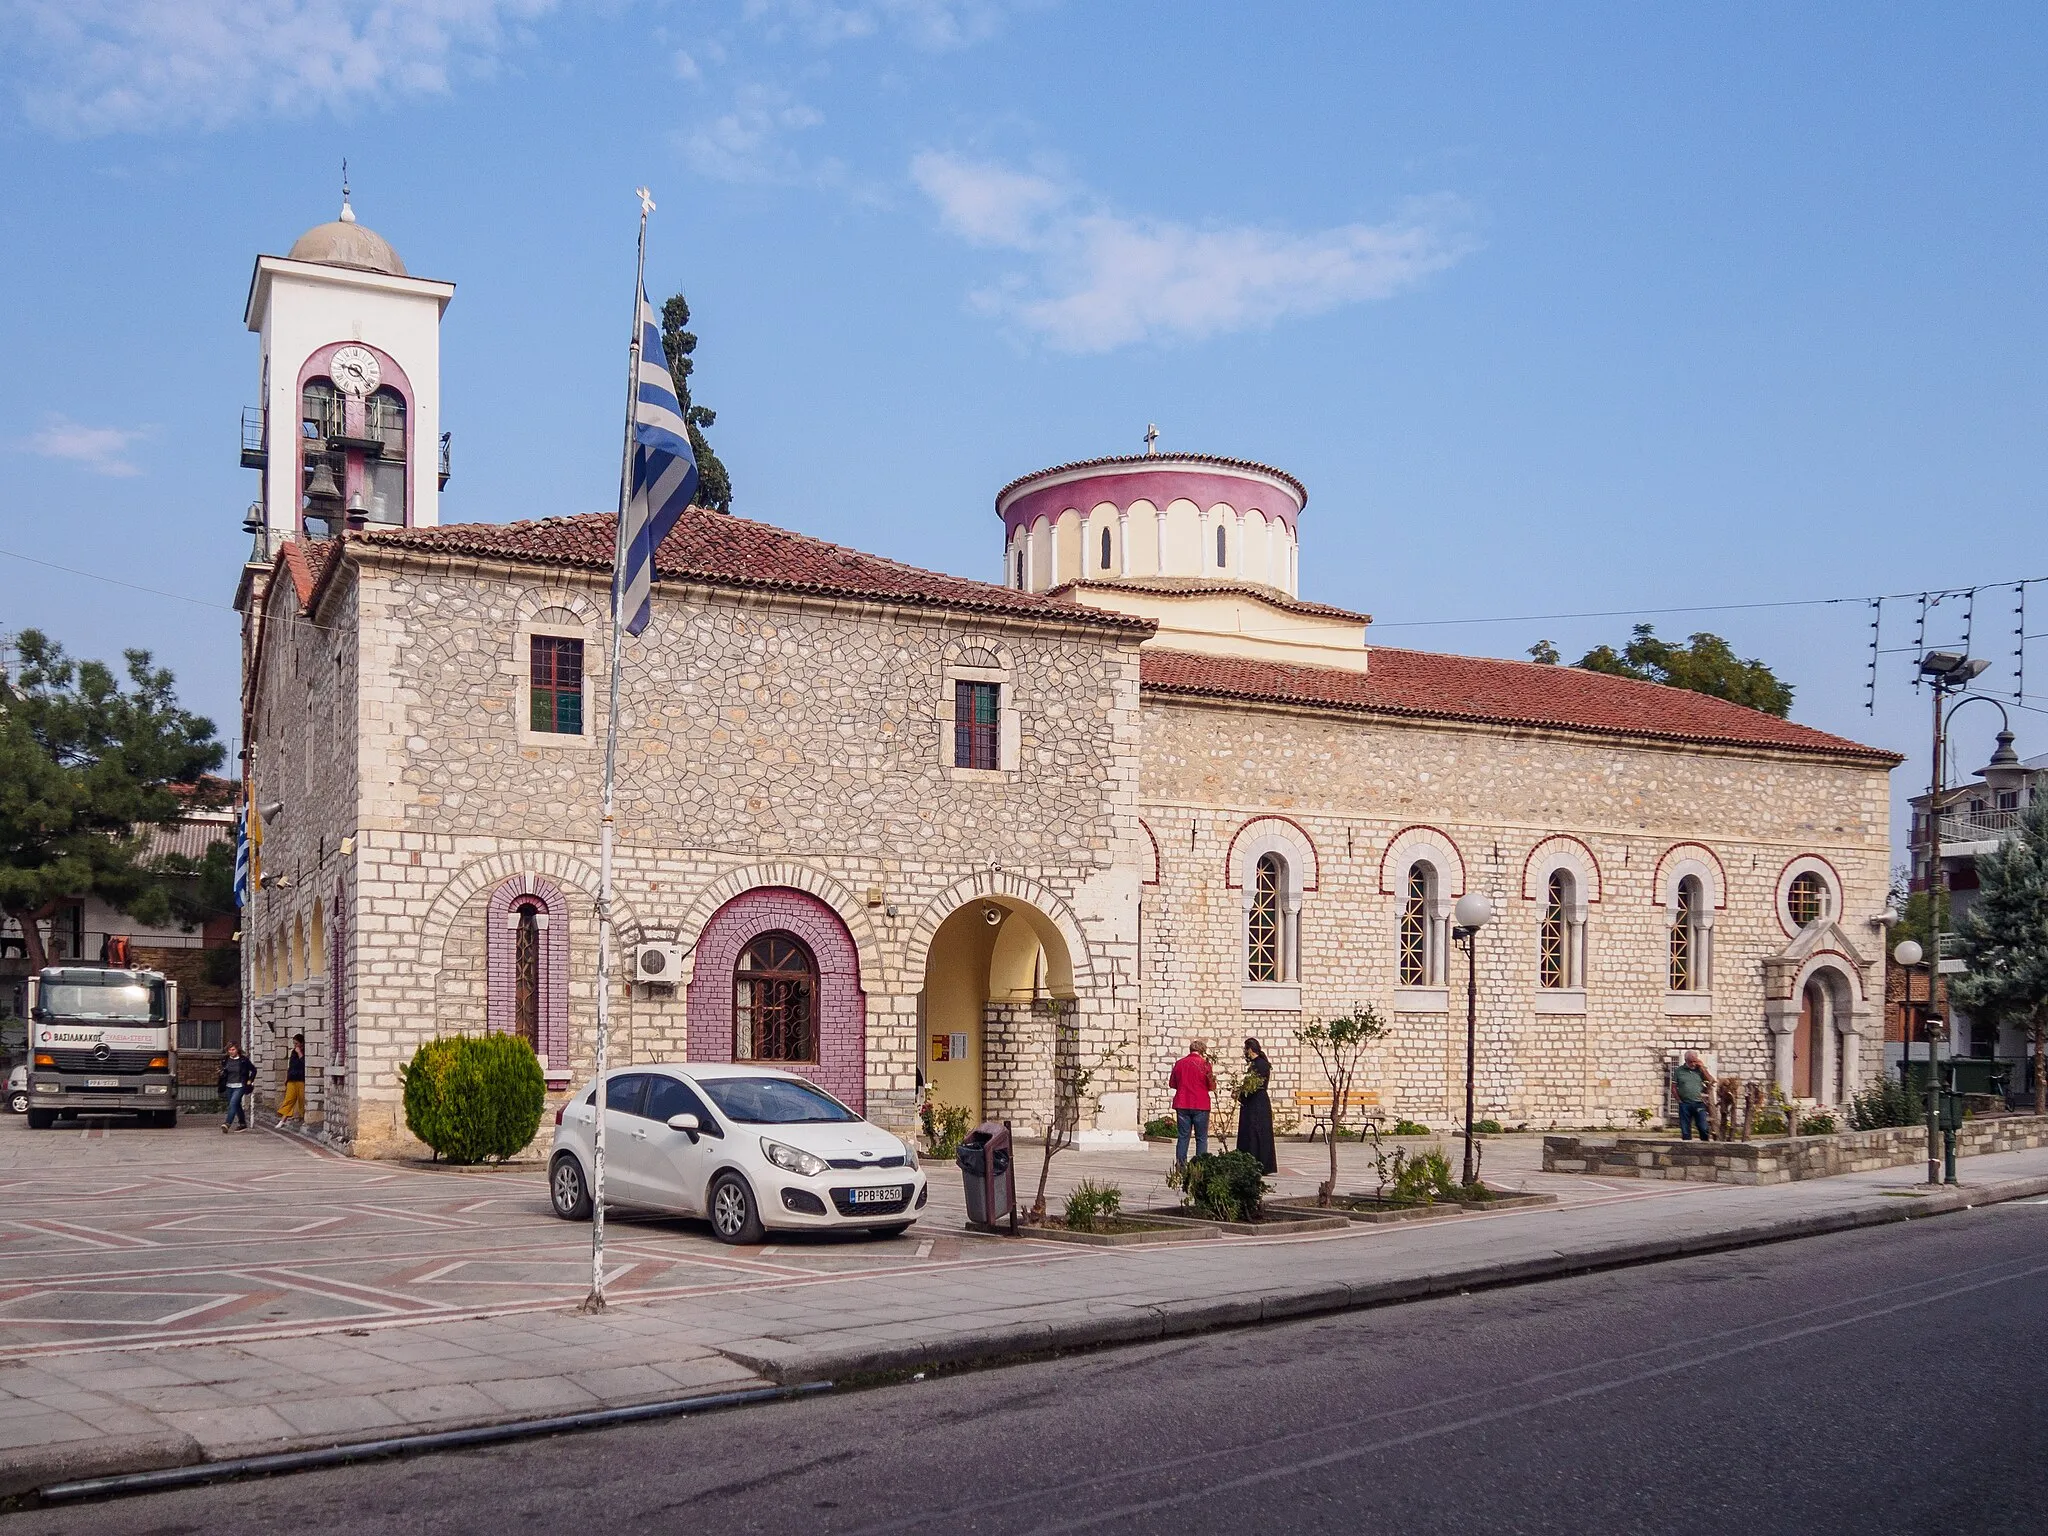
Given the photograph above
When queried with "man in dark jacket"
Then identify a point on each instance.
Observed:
(237, 1077)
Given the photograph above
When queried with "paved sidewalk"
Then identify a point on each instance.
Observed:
(87, 1402)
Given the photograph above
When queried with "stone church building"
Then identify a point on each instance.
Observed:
(887, 826)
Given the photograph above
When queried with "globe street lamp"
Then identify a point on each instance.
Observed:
(1472, 913)
(1908, 954)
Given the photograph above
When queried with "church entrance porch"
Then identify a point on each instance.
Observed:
(997, 971)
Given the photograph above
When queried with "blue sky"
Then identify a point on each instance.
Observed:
(1556, 309)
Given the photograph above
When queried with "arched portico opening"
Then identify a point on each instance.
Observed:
(1817, 1053)
(995, 969)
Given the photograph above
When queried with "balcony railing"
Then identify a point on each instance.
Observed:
(255, 437)
(1979, 826)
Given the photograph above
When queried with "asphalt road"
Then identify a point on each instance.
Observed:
(1887, 1380)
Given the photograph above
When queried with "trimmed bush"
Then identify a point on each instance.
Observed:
(1165, 1128)
(474, 1098)
(1091, 1202)
(1224, 1186)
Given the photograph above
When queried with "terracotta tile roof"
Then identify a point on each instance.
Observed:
(1422, 684)
(1180, 586)
(727, 551)
(1161, 461)
(306, 561)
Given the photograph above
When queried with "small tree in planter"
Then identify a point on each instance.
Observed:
(474, 1098)
(1337, 1046)
(1071, 1079)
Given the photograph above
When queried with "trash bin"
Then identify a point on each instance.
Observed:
(986, 1169)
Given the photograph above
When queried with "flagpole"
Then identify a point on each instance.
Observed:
(594, 1302)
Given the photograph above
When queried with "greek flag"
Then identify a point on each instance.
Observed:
(241, 859)
(664, 474)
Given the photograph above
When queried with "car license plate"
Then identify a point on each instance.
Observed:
(103, 1082)
(886, 1194)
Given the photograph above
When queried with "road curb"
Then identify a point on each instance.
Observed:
(1142, 1323)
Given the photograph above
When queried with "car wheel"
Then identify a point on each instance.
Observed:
(568, 1191)
(895, 1229)
(733, 1217)
(41, 1119)
(18, 1103)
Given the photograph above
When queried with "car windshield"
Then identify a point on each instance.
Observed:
(773, 1101)
(123, 999)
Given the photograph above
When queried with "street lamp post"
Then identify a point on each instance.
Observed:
(1946, 670)
(1473, 912)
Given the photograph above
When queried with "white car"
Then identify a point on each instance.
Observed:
(17, 1090)
(745, 1147)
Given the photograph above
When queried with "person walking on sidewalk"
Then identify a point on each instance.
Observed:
(237, 1077)
(293, 1105)
(1192, 1081)
(1690, 1080)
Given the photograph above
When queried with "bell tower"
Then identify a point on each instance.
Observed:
(348, 432)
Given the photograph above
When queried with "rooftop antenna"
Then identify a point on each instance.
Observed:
(1151, 439)
(348, 214)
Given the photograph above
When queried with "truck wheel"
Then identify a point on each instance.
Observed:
(733, 1217)
(567, 1191)
(166, 1119)
(41, 1119)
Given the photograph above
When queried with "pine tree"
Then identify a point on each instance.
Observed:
(2003, 939)
(714, 485)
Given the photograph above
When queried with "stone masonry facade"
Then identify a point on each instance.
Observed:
(787, 761)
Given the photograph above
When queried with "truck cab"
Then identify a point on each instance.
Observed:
(102, 1042)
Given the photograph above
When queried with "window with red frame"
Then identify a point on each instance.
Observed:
(977, 723)
(557, 686)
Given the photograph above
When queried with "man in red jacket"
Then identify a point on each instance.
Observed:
(1192, 1081)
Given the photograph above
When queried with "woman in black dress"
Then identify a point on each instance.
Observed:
(1255, 1109)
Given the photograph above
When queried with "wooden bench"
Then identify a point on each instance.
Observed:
(1315, 1103)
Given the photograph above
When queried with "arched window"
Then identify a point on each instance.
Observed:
(1807, 900)
(298, 950)
(775, 1001)
(1561, 936)
(1020, 570)
(1265, 947)
(1221, 547)
(526, 972)
(1105, 549)
(1418, 966)
(316, 944)
(1688, 939)
(384, 473)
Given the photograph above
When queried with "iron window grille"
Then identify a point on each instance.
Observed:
(1554, 954)
(1415, 930)
(977, 724)
(1807, 900)
(775, 1001)
(557, 686)
(1684, 944)
(1262, 929)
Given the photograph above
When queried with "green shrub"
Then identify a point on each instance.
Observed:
(1090, 1202)
(1822, 1124)
(1768, 1122)
(1889, 1102)
(1224, 1186)
(1487, 1127)
(1421, 1180)
(1165, 1128)
(945, 1125)
(1407, 1127)
(474, 1098)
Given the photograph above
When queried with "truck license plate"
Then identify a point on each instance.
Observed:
(103, 1082)
(887, 1194)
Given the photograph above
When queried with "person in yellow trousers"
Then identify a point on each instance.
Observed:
(293, 1105)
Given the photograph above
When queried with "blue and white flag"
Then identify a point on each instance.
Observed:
(664, 473)
(241, 859)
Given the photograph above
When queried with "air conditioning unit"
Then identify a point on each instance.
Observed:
(658, 964)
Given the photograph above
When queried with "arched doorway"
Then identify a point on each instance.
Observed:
(995, 967)
(1822, 1039)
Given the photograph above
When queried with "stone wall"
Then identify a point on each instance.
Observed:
(775, 744)
(1353, 787)
(1781, 1160)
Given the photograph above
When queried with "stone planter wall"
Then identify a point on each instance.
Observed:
(1780, 1160)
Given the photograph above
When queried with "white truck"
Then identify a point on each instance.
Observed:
(102, 1041)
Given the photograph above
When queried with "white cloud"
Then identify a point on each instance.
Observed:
(1102, 279)
(687, 67)
(107, 66)
(934, 25)
(750, 143)
(103, 450)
